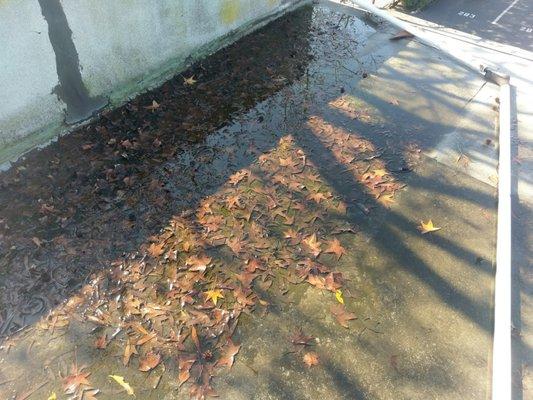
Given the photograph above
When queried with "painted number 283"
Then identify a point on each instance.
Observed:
(467, 14)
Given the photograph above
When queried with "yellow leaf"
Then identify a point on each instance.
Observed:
(53, 396)
(189, 81)
(380, 172)
(214, 295)
(125, 385)
(338, 296)
(427, 227)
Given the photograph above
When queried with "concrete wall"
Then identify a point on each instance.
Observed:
(63, 60)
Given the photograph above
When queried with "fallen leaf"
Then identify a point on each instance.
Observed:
(336, 248)
(156, 250)
(53, 396)
(237, 177)
(76, 380)
(214, 295)
(149, 361)
(154, 106)
(380, 172)
(90, 394)
(198, 263)
(228, 354)
(299, 338)
(101, 342)
(189, 81)
(129, 350)
(310, 359)
(386, 199)
(184, 365)
(338, 296)
(312, 244)
(125, 385)
(342, 315)
(427, 227)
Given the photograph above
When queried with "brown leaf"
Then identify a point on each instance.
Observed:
(237, 177)
(299, 338)
(228, 354)
(310, 359)
(101, 342)
(198, 263)
(312, 245)
(76, 381)
(129, 350)
(184, 364)
(149, 361)
(342, 315)
(336, 248)
(155, 249)
(195, 339)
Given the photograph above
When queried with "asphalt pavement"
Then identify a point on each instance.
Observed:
(509, 22)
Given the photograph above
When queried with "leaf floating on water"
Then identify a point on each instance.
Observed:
(125, 385)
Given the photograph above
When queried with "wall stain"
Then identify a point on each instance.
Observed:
(71, 89)
(230, 11)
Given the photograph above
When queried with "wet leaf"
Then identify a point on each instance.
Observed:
(129, 350)
(386, 200)
(214, 295)
(125, 385)
(228, 354)
(427, 227)
(310, 359)
(156, 249)
(338, 296)
(76, 381)
(198, 263)
(189, 81)
(90, 394)
(101, 342)
(299, 338)
(342, 316)
(185, 362)
(152, 107)
(313, 245)
(336, 248)
(149, 361)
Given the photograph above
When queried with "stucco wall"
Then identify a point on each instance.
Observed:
(62, 60)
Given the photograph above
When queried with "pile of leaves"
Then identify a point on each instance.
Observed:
(272, 225)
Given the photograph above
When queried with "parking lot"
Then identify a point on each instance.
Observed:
(509, 22)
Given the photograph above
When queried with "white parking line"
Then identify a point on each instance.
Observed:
(495, 22)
